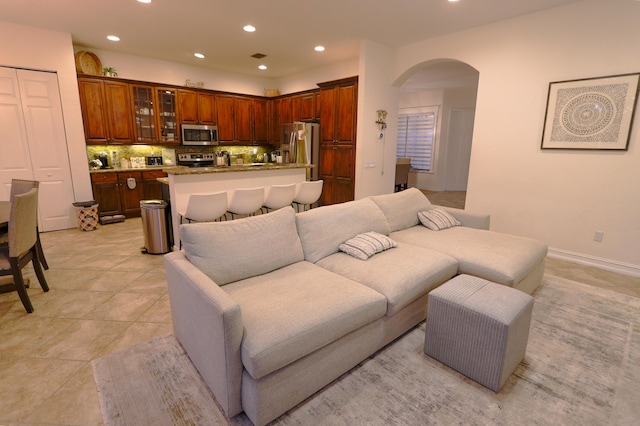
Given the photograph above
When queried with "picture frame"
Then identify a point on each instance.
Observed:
(590, 114)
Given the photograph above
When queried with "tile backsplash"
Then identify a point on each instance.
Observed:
(251, 153)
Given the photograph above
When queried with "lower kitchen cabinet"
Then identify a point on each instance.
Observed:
(106, 191)
(151, 188)
(121, 192)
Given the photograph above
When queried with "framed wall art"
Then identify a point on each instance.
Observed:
(593, 113)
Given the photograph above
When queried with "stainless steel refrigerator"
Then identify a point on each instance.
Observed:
(301, 144)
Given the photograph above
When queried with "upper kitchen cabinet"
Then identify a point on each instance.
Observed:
(197, 107)
(304, 107)
(106, 111)
(234, 119)
(260, 121)
(154, 111)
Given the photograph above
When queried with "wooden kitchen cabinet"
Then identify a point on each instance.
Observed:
(304, 107)
(112, 192)
(155, 119)
(197, 107)
(106, 191)
(130, 196)
(151, 188)
(106, 111)
(234, 119)
(338, 107)
(260, 109)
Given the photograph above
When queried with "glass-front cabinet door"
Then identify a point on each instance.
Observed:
(167, 121)
(143, 108)
(155, 115)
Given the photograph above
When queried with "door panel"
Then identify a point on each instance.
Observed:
(14, 153)
(48, 148)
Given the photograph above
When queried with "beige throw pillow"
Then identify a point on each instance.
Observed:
(437, 219)
(365, 245)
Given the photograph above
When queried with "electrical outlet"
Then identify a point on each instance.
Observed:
(597, 236)
(370, 165)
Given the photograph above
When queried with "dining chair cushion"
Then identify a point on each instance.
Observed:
(23, 232)
(221, 251)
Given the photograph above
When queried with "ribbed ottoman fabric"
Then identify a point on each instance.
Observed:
(478, 328)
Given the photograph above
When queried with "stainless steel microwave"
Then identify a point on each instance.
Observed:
(199, 134)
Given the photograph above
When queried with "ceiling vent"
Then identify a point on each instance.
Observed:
(258, 55)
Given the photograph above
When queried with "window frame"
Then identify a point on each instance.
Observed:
(414, 111)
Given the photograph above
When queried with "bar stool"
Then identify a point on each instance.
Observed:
(245, 201)
(278, 196)
(205, 207)
(307, 193)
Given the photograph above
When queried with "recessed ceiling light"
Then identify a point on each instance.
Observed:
(319, 48)
(113, 38)
(249, 28)
(262, 67)
(144, 1)
(198, 55)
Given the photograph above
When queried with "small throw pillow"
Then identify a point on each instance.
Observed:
(363, 246)
(437, 219)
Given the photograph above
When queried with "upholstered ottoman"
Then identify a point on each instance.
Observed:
(478, 328)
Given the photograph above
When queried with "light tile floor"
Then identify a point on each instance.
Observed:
(106, 296)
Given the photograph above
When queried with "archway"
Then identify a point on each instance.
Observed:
(448, 87)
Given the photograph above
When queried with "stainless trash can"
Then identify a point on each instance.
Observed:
(154, 226)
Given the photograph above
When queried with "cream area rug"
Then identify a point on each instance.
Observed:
(582, 367)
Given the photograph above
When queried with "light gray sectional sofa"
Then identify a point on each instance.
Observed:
(270, 310)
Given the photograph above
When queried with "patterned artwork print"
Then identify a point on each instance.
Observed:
(589, 114)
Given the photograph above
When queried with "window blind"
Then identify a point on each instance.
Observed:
(415, 139)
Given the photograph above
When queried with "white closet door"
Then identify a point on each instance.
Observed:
(15, 161)
(45, 149)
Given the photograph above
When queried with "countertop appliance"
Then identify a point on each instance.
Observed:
(301, 144)
(196, 159)
(154, 160)
(199, 134)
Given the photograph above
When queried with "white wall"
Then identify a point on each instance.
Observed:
(33, 48)
(560, 197)
(374, 93)
(156, 71)
(309, 80)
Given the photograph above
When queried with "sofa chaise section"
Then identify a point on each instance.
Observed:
(502, 258)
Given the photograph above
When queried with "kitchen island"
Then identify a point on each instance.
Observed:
(184, 181)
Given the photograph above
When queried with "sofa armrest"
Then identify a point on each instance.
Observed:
(208, 324)
(468, 219)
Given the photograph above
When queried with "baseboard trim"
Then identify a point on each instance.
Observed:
(597, 262)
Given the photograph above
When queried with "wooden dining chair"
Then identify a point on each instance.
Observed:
(21, 248)
(20, 186)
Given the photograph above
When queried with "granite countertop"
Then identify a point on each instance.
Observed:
(118, 169)
(253, 167)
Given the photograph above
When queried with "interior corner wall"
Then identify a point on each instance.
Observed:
(43, 50)
(375, 162)
(558, 196)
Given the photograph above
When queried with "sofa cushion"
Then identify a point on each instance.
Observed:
(401, 208)
(403, 274)
(437, 219)
(501, 258)
(363, 246)
(295, 310)
(237, 249)
(323, 229)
